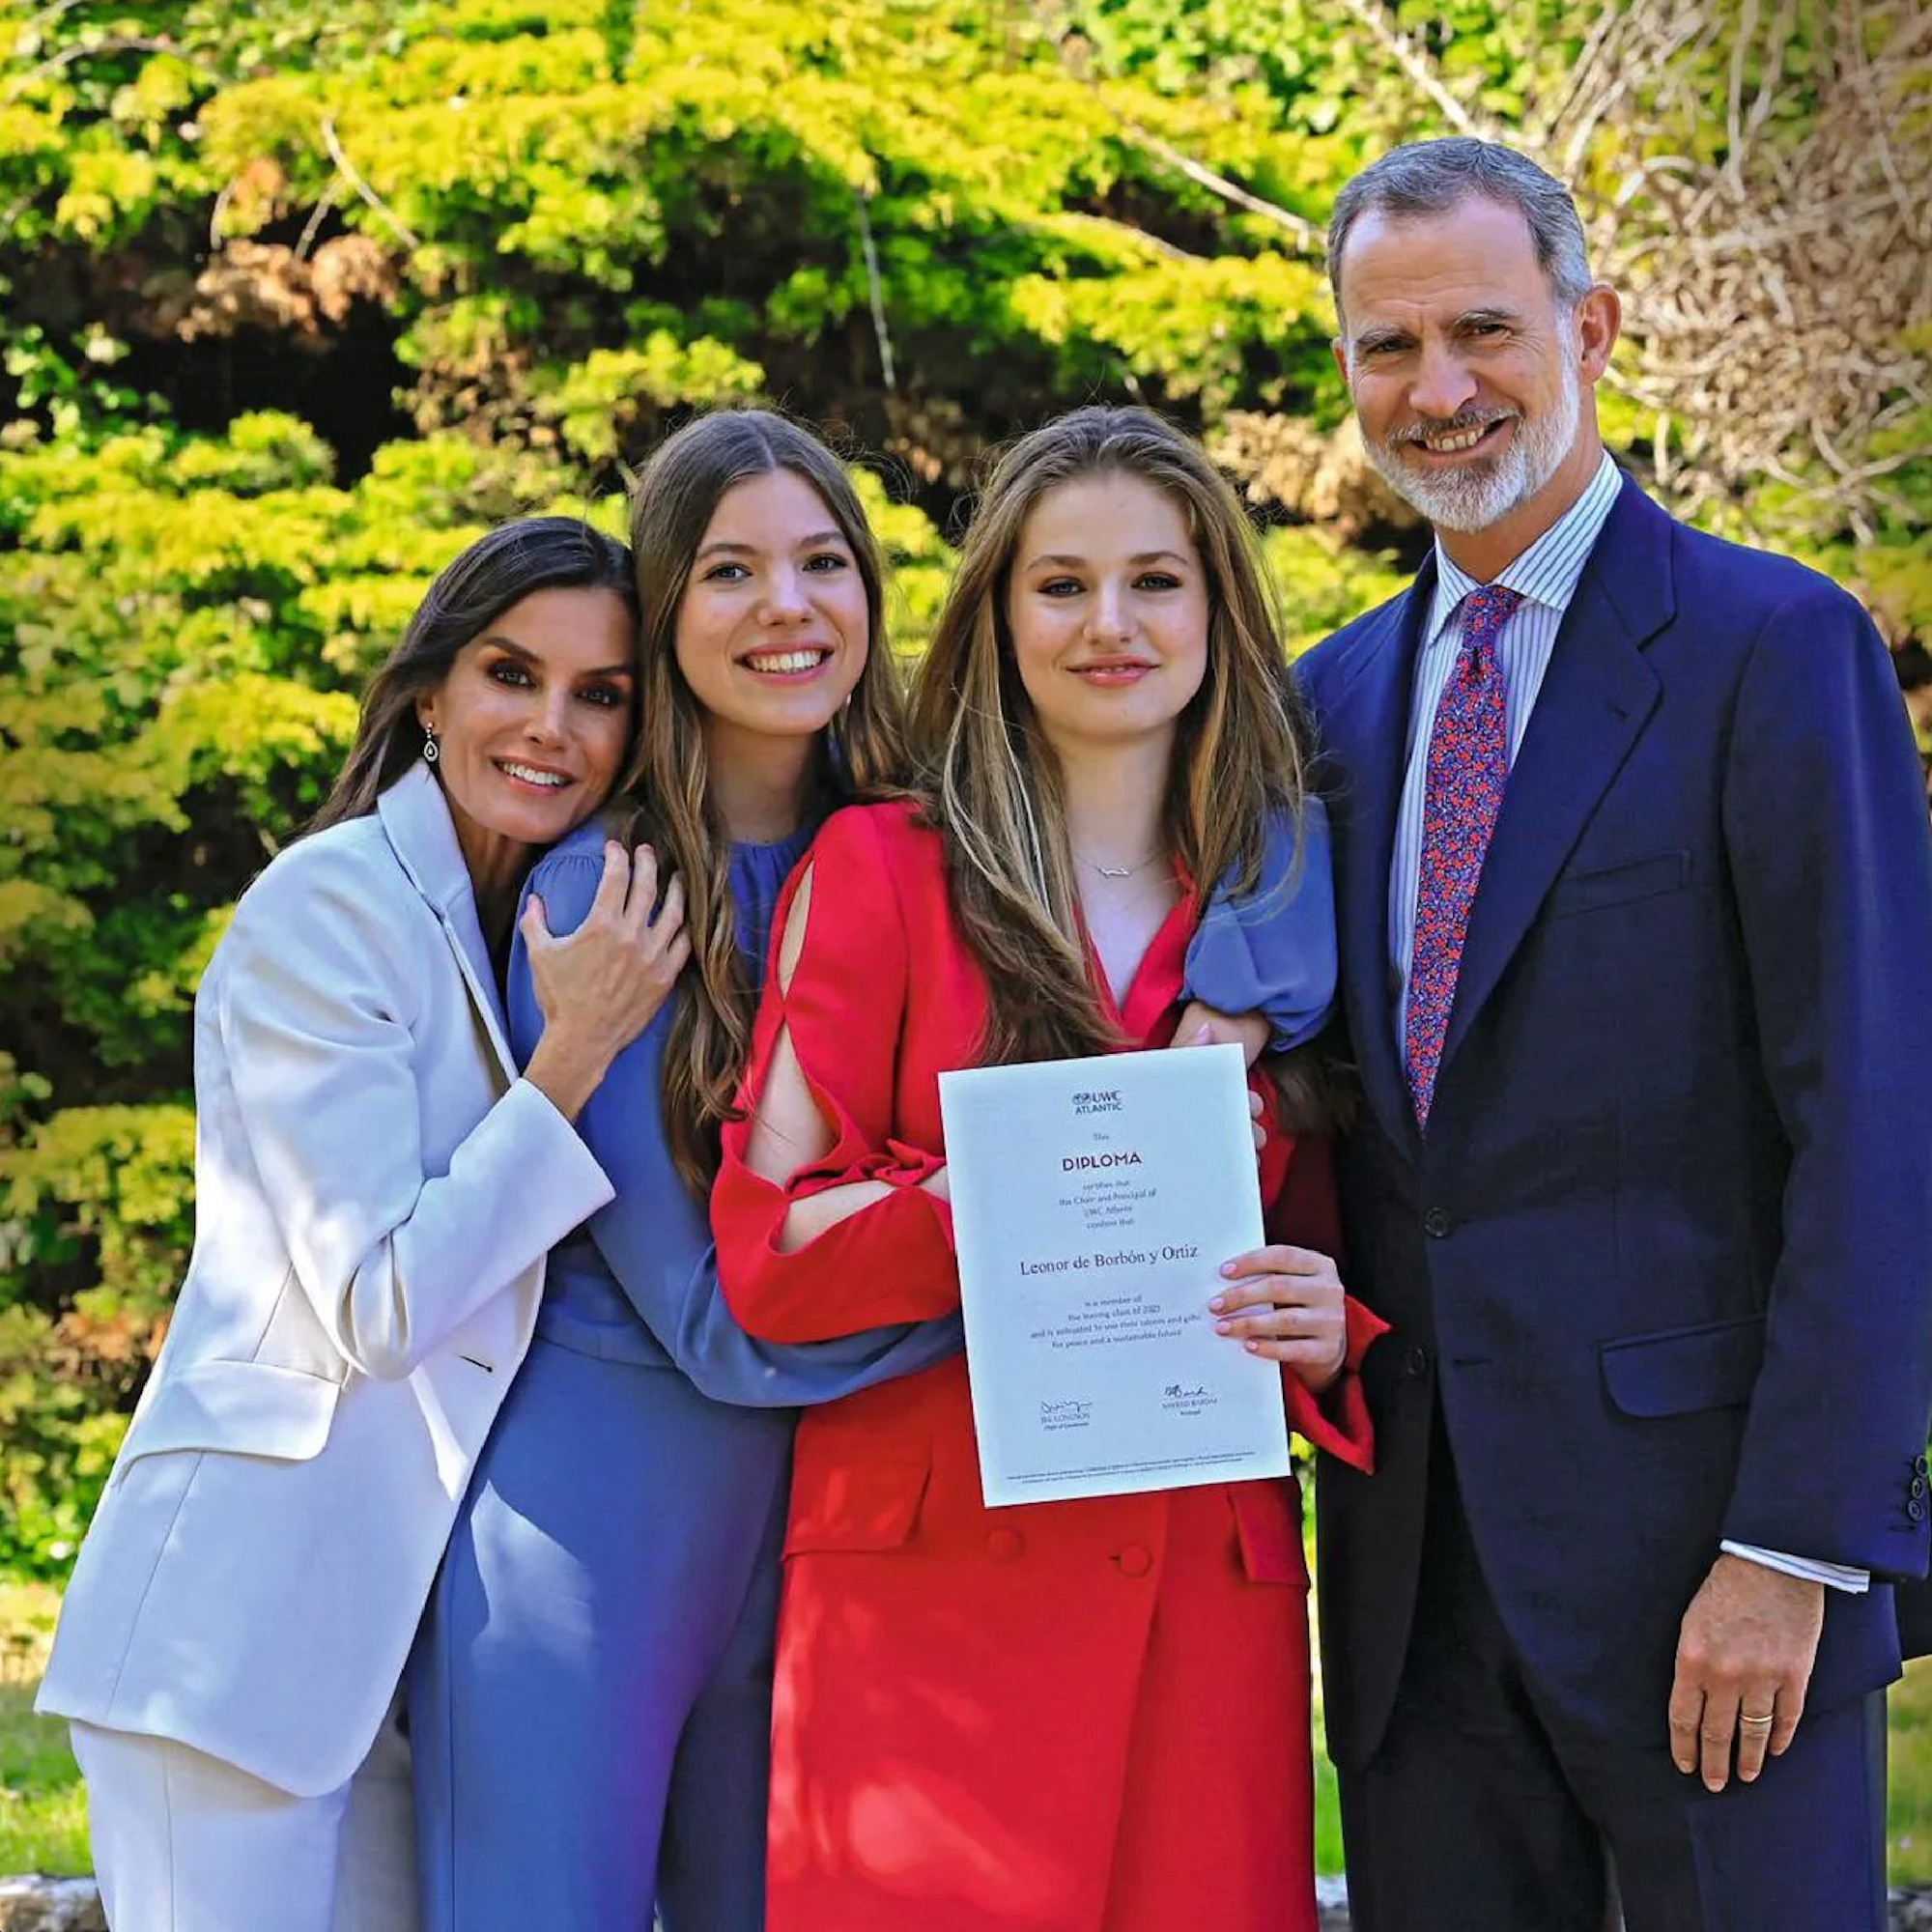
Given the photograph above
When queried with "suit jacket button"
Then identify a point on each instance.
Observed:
(1919, 1485)
(1135, 1561)
(1415, 1364)
(1916, 1510)
(1437, 1223)
(1921, 1464)
(1004, 1544)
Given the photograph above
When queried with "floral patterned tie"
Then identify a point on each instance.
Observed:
(1462, 792)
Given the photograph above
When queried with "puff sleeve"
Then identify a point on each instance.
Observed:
(1272, 950)
(653, 1236)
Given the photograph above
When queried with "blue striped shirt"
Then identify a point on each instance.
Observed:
(1546, 575)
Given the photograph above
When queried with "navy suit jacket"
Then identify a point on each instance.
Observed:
(1664, 1255)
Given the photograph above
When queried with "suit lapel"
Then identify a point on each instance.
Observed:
(1596, 698)
(417, 822)
(465, 934)
(1369, 729)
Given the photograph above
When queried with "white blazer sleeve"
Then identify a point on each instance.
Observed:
(393, 1248)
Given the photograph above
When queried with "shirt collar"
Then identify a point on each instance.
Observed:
(1547, 571)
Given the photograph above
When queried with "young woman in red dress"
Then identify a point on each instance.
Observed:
(1069, 1717)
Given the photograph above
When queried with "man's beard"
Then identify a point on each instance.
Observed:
(1478, 494)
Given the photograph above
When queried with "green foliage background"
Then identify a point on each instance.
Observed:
(299, 295)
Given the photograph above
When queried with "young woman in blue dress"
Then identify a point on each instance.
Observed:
(591, 1694)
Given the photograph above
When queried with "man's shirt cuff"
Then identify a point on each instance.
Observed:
(1833, 1576)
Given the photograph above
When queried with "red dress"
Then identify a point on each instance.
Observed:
(1071, 1717)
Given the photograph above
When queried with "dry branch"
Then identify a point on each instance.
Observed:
(346, 168)
(1421, 70)
(1308, 235)
(1770, 299)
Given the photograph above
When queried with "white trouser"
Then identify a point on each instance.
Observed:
(183, 1842)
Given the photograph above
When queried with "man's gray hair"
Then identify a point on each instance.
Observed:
(1433, 177)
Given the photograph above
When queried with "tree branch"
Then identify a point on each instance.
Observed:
(317, 216)
(874, 291)
(346, 168)
(1307, 234)
(1415, 64)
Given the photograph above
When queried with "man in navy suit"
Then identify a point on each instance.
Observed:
(1636, 900)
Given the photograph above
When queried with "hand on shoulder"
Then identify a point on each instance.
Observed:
(601, 985)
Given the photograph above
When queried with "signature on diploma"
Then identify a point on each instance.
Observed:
(1188, 1398)
(1066, 1414)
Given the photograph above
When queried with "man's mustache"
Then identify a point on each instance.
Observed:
(1456, 425)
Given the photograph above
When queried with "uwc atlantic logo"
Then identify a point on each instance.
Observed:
(1098, 1100)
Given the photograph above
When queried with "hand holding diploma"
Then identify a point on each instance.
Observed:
(1283, 1303)
(1287, 1304)
(1093, 1201)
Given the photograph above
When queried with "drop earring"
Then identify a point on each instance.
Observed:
(430, 751)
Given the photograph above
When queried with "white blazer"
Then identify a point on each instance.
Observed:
(375, 1191)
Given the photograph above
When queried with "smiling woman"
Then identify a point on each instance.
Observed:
(377, 1190)
(1108, 609)
(595, 1667)
(1008, 1718)
(527, 730)
(776, 626)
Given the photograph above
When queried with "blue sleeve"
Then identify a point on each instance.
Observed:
(655, 1239)
(1830, 871)
(1272, 950)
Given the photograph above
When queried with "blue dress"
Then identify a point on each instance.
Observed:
(590, 1692)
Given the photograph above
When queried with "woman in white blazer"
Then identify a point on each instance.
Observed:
(376, 1190)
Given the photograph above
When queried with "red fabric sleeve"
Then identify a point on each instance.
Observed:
(1277, 1153)
(1306, 1214)
(845, 1008)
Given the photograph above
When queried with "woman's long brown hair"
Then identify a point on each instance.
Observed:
(665, 796)
(990, 782)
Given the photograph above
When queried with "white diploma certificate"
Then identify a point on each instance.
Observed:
(1093, 1201)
